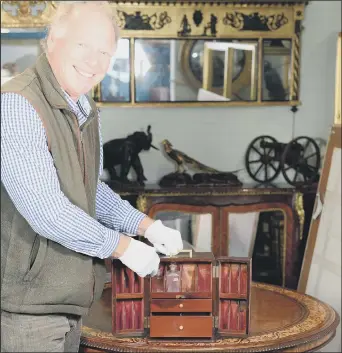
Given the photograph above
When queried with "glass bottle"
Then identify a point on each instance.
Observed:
(188, 278)
(173, 279)
(158, 281)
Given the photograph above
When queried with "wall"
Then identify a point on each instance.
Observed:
(219, 137)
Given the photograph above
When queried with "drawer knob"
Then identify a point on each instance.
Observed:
(181, 305)
(181, 327)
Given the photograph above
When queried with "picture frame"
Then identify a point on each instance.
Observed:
(19, 50)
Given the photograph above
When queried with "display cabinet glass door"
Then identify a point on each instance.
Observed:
(264, 232)
(256, 232)
(197, 224)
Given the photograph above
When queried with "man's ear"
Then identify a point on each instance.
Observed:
(56, 33)
(49, 43)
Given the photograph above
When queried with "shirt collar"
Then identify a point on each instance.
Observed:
(83, 101)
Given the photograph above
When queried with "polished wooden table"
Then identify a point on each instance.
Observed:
(281, 320)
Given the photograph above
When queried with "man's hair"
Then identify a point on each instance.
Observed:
(65, 8)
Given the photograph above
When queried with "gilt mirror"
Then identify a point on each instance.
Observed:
(254, 57)
(161, 57)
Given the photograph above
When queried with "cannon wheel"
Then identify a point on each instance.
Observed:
(305, 169)
(258, 159)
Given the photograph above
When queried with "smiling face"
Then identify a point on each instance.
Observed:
(79, 49)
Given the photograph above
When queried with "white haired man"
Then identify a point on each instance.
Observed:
(58, 220)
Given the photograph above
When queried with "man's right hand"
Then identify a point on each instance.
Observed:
(139, 257)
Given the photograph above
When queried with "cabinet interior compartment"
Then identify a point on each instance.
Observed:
(187, 280)
(234, 296)
(128, 309)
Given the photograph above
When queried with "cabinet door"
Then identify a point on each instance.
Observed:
(127, 302)
(234, 294)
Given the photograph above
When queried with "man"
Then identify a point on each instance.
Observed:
(58, 221)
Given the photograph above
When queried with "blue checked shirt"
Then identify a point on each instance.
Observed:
(30, 178)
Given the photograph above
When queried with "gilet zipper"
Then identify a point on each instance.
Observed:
(81, 153)
(80, 148)
(84, 159)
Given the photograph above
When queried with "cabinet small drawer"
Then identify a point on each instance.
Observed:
(181, 326)
(181, 305)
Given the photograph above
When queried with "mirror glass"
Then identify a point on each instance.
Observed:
(276, 70)
(195, 228)
(239, 72)
(260, 236)
(172, 70)
(115, 87)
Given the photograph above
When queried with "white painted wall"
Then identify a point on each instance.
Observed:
(219, 136)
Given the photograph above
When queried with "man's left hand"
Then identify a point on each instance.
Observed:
(166, 240)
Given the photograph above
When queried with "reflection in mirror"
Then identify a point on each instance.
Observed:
(195, 228)
(259, 235)
(230, 54)
(115, 87)
(20, 48)
(172, 71)
(152, 70)
(196, 59)
(276, 70)
(229, 74)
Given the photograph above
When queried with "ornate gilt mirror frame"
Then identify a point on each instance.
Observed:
(188, 23)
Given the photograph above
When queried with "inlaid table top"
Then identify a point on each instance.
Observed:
(281, 320)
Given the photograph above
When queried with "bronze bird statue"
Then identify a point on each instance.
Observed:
(182, 159)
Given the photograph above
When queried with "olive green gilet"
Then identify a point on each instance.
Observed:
(38, 275)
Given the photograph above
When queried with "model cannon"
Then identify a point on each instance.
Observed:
(299, 160)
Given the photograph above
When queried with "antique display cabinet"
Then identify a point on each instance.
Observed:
(193, 296)
(267, 223)
(264, 224)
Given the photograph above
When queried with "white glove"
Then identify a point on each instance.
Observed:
(141, 258)
(166, 240)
